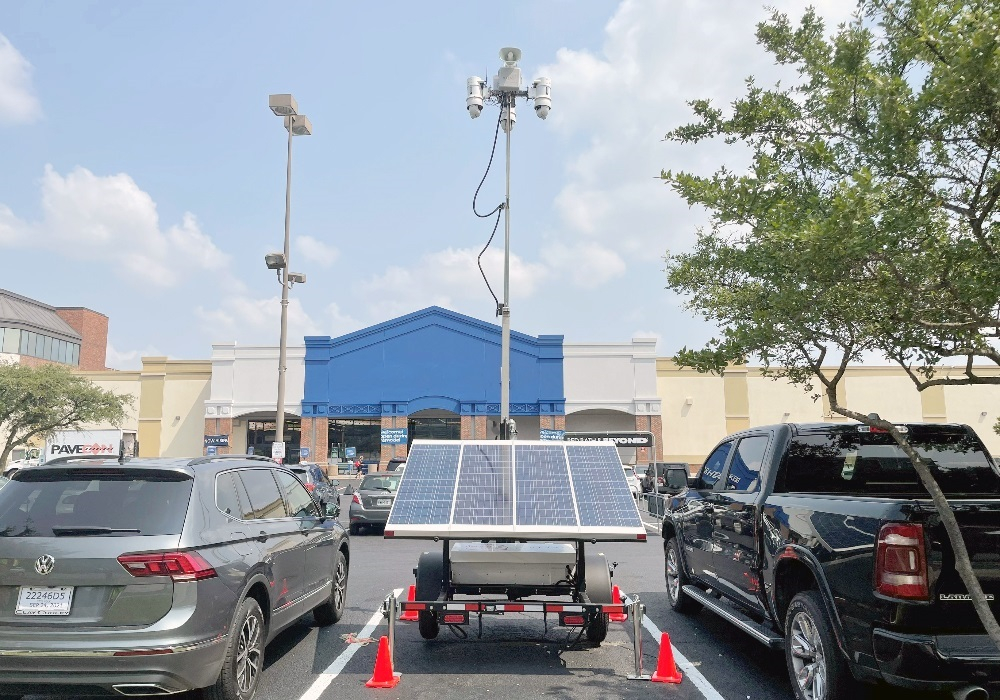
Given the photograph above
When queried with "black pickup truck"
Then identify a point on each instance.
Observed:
(821, 540)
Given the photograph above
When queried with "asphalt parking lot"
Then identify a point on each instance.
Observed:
(516, 657)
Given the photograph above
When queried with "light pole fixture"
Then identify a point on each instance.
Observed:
(504, 93)
(296, 124)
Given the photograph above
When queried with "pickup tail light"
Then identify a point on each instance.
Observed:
(901, 562)
(180, 566)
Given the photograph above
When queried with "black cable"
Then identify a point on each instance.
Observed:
(498, 209)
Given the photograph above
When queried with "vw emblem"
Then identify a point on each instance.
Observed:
(45, 564)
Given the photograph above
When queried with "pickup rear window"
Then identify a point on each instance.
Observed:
(849, 461)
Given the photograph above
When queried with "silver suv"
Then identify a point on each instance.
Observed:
(156, 576)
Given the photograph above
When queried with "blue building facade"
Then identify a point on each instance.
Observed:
(434, 372)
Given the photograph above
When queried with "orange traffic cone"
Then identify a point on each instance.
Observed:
(410, 615)
(383, 677)
(616, 599)
(666, 669)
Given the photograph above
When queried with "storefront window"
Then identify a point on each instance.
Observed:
(363, 434)
(260, 437)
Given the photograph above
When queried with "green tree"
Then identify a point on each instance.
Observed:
(866, 223)
(35, 402)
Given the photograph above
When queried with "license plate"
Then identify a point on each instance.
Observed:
(44, 600)
(383, 502)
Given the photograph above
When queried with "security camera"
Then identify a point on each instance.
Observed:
(274, 261)
(297, 277)
(543, 96)
(508, 116)
(474, 98)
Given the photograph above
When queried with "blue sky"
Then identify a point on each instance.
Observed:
(144, 175)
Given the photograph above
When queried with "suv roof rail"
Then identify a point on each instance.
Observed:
(205, 460)
(84, 458)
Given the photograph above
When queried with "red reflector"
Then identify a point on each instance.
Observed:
(555, 608)
(510, 607)
(573, 620)
(389, 533)
(455, 619)
(474, 607)
(144, 652)
(641, 537)
(180, 566)
(413, 606)
(613, 609)
(901, 562)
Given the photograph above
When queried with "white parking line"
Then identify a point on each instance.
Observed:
(692, 672)
(324, 679)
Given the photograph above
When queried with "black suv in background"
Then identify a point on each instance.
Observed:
(157, 576)
(655, 478)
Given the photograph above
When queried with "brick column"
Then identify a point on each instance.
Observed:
(390, 451)
(654, 425)
(218, 426)
(467, 423)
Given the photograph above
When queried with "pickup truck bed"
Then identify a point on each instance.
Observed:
(820, 539)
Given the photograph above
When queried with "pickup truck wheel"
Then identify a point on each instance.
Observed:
(817, 669)
(677, 579)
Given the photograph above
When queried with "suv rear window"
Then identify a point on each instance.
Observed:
(855, 462)
(79, 502)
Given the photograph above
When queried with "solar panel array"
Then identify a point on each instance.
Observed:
(524, 489)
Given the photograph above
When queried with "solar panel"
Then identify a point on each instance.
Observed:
(427, 493)
(603, 497)
(536, 490)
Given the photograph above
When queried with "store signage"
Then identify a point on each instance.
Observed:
(547, 434)
(351, 452)
(304, 452)
(216, 441)
(393, 436)
(620, 439)
(211, 451)
(277, 450)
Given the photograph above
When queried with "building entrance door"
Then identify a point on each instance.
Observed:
(260, 437)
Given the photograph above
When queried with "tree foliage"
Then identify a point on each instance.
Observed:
(867, 220)
(35, 402)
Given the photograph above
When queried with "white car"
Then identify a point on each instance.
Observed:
(633, 481)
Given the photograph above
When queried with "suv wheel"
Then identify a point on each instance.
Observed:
(817, 669)
(676, 579)
(331, 610)
(244, 659)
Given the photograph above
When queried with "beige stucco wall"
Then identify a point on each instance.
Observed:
(744, 398)
(186, 389)
(126, 383)
(690, 430)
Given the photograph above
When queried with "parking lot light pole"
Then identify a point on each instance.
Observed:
(505, 91)
(284, 106)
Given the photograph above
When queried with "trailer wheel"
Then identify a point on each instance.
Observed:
(598, 575)
(597, 630)
(429, 586)
(427, 624)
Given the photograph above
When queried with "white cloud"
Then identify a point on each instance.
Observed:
(588, 265)
(18, 104)
(128, 359)
(109, 218)
(340, 323)
(449, 278)
(619, 102)
(256, 321)
(317, 251)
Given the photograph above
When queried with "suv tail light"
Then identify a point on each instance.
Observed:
(357, 499)
(180, 566)
(901, 562)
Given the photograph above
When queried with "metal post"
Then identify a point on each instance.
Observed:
(637, 610)
(279, 423)
(393, 612)
(505, 311)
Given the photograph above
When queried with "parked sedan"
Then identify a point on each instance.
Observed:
(373, 500)
(158, 576)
